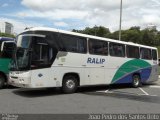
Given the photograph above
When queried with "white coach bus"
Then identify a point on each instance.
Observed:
(47, 57)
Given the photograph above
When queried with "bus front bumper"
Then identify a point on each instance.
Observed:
(20, 79)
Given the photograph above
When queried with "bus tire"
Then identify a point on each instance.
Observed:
(2, 81)
(136, 81)
(69, 84)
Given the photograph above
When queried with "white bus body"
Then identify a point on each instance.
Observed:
(92, 61)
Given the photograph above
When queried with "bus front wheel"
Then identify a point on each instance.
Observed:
(136, 81)
(69, 84)
(2, 81)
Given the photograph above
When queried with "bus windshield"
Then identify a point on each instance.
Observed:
(32, 52)
(21, 60)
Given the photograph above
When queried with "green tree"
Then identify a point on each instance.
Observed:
(157, 39)
(96, 31)
(132, 35)
(114, 35)
(148, 37)
(6, 35)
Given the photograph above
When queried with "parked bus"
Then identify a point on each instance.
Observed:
(47, 57)
(7, 46)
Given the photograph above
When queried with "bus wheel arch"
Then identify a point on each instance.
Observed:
(3, 79)
(136, 80)
(70, 82)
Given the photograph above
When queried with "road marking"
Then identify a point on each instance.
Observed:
(100, 91)
(143, 91)
(107, 91)
(136, 94)
(154, 86)
(147, 95)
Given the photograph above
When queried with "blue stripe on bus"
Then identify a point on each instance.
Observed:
(144, 74)
(6, 39)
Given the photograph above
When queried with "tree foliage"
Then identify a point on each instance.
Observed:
(6, 35)
(97, 31)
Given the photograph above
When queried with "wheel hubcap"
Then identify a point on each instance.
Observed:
(70, 84)
(136, 81)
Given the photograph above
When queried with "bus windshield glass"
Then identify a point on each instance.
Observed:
(33, 52)
(22, 53)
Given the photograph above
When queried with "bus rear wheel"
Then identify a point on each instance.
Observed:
(136, 81)
(69, 84)
(2, 81)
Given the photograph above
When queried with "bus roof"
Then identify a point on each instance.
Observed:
(6, 39)
(84, 35)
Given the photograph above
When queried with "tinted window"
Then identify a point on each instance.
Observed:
(42, 54)
(25, 41)
(132, 52)
(146, 54)
(117, 50)
(154, 54)
(98, 47)
(8, 50)
(73, 43)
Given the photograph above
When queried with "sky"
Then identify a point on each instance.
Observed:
(78, 14)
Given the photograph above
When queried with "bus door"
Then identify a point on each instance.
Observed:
(41, 60)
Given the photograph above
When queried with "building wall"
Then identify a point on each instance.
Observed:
(2, 27)
(6, 27)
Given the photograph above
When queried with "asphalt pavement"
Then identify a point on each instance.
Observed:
(88, 100)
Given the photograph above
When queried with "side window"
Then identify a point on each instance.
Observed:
(73, 43)
(154, 54)
(42, 54)
(98, 47)
(132, 52)
(8, 50)
(146, 54)
(117, 50)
